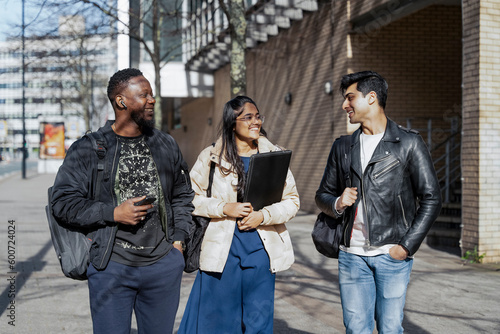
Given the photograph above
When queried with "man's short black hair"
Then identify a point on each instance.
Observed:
(120, 78)
(368, 81)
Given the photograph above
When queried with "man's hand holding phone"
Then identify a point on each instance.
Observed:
(133, 210)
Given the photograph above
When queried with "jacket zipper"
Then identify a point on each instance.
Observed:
(365, 212)
(112, 180)
(403, 210)
(161, 191)
(386, 169)
(348, 184)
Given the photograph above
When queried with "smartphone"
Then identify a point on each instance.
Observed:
(147, 200)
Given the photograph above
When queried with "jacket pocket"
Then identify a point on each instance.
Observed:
(385, 168)
(403, 212)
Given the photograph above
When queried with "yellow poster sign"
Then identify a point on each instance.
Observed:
(52, 140)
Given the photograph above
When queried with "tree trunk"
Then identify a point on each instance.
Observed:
(155, 58)
(158, 104)
(235, 14)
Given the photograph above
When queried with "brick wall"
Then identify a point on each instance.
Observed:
(198, 129)
(299, 62)
(480, 147)
(489, 130)
(470, 141)
(420, 56)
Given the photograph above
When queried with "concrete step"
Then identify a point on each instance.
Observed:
(444, 232)
(445, 235)
(446, 219)
(451, 209)
(453, 205)
(440, 238)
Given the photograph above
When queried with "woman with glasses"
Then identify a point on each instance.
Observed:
(242, 249)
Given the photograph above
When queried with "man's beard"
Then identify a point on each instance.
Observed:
(139, 120)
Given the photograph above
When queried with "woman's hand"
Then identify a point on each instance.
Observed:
(237, 210)
(254, 219)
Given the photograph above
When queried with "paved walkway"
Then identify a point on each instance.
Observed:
(444, 295)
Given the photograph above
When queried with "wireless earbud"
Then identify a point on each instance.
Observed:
(123, 104)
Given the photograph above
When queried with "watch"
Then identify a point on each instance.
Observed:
(183, 245)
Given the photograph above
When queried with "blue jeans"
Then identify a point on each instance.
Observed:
(152, 291)
(373, 288)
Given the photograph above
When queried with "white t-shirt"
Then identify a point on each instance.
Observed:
(359, 238)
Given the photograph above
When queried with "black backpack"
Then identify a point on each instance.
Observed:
(72, 244)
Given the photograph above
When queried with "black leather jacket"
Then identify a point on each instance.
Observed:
(399, 189)
(77, 176)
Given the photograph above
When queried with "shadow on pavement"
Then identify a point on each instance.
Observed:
(281, 327)
(26, 268)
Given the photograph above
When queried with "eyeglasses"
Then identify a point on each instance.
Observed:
(249, 118)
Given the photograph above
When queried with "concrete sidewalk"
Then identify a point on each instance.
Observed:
(444, 295)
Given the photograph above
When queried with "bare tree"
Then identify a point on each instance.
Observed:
(154, 24)
(64, 62)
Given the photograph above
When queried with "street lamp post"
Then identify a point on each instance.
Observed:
(24, 105)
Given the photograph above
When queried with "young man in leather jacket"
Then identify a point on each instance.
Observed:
(394, 199)
(136, 253)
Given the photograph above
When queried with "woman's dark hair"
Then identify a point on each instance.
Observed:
(368, 81)
(229, 150)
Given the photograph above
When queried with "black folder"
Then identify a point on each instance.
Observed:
(266, 178)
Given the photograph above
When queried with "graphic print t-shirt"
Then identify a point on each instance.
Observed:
(144, 243)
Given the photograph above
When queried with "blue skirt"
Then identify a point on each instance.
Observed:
(238, 300)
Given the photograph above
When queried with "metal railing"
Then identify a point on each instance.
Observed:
(448, 163)
(450, 170)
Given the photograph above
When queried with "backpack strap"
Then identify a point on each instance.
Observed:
(99, 146)
(211, 177)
